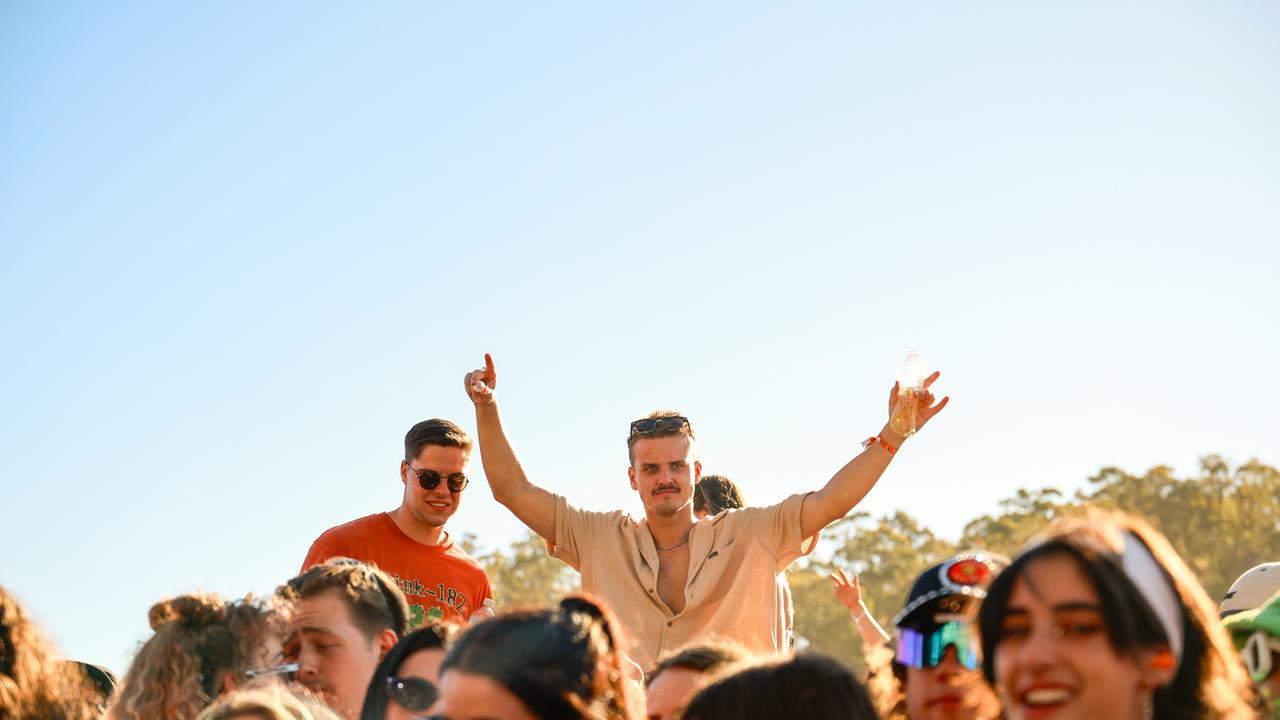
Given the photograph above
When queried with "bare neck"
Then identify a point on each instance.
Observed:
(668, 530)
(418, 532)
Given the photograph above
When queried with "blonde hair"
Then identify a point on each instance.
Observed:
(269, 701)
(199, 639)
(35, 683)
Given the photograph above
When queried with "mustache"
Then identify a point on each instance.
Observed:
(666, 488)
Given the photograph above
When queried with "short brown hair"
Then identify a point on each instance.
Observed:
(434, 432)
(702, 658)
(375, 600)
(685, 430)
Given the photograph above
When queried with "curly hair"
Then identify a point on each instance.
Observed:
(36, 684)
(199, 638)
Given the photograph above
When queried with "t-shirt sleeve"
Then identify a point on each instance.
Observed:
(777, 528)
(322, 549)
(577, 531)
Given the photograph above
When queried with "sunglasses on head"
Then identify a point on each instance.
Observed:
(411, 693)
(645, 426)
(430, 480)
(925, 649)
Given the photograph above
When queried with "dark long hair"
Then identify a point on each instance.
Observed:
(563, 663)
(1209, 682)
(716, 493)
(807, 686)
(431, 637)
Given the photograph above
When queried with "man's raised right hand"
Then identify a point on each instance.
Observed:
(481, 383)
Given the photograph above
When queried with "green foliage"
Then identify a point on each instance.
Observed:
(1222, 522)
(525, 574)
(822, 623)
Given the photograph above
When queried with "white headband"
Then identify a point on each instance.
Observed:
(1145, 574)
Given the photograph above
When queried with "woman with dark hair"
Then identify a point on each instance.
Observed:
(1099, 618)
(714, 494)
(560, 663)
(405, 684)
(806, 686)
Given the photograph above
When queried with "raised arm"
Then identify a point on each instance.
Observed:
(853, 481)
(534, 506)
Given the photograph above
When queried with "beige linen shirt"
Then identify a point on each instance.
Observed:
(731, 591)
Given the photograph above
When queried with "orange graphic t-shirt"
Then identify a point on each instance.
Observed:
(441, 582)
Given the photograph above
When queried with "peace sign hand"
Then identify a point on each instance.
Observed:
(848, 591)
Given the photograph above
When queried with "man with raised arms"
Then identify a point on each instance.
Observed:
(670, 578)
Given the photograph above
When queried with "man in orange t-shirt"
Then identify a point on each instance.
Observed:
(439, 579)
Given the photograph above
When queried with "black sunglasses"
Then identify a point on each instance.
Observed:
(644, 426)
(411, 693)
(430, 480)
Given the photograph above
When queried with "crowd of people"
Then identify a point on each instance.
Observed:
(684, 612)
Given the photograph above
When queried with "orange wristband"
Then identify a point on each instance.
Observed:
(881, 441)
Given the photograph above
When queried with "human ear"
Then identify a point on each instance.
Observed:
(631, 474)
(1157, 666)
(697, 471)
(404, 472)
(387, 639)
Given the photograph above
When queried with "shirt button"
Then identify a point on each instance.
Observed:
(650, 591)
(669, 624)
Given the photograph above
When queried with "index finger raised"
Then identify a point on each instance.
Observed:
(490, 375)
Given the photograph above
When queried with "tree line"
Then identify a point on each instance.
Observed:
(1222, 521)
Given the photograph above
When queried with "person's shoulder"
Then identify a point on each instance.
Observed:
(360, 527)
(757, 513)
(607, 517)
(462, 556)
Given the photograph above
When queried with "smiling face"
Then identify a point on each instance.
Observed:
(664, 473)
(431, 509)
(1054, 659)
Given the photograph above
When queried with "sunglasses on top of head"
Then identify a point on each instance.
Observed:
(645, 426)
(430, 479)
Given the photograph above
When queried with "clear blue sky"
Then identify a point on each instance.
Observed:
(244, 247)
